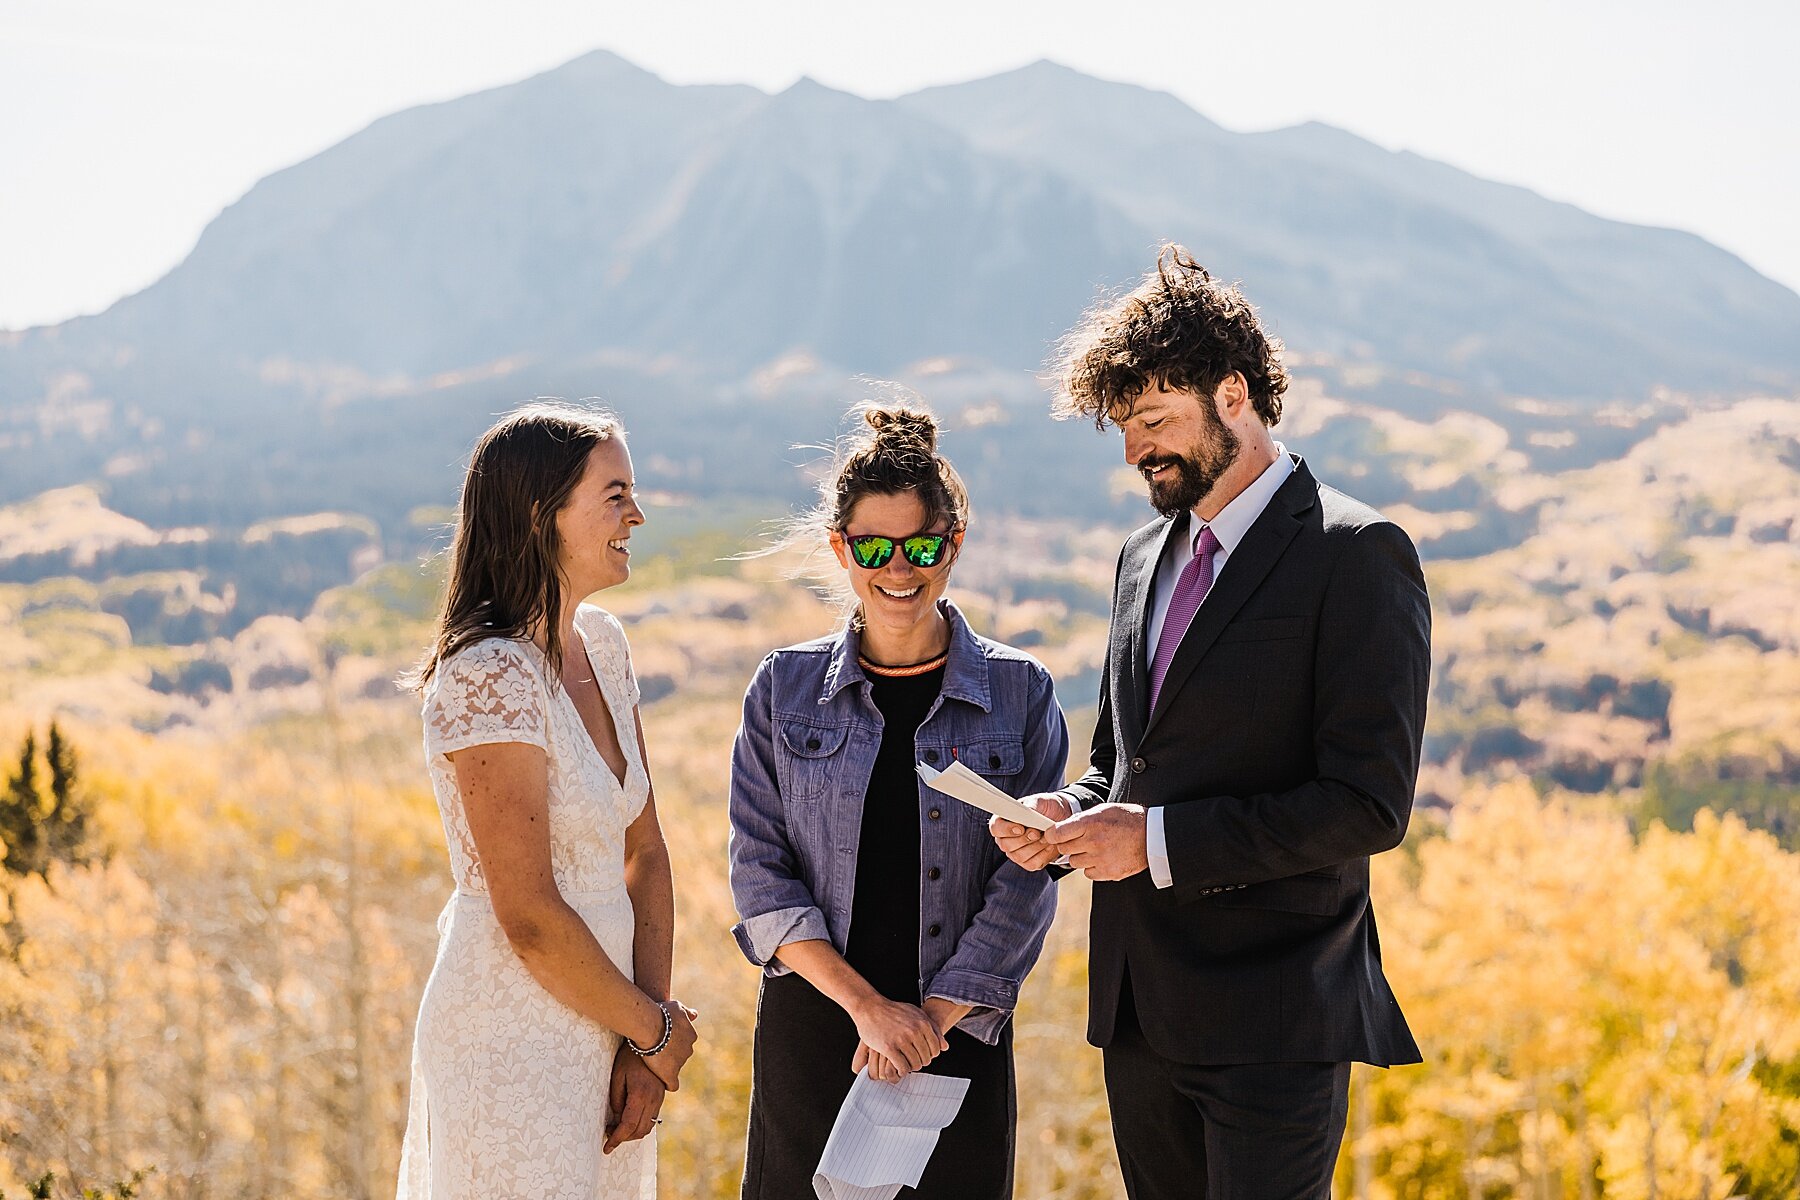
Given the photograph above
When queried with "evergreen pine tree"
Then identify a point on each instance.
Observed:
(65, 826)
(22, 814)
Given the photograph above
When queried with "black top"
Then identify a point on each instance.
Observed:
(804, 1041)
(884, 913)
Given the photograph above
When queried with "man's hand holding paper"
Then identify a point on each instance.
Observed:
(1105, 842)
(1027, 847)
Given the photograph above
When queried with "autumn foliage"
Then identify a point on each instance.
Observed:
(213, 938)
(226, 994)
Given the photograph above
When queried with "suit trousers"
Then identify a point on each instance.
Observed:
(1255, 1131)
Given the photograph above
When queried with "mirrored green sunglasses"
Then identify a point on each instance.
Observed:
(871, 551)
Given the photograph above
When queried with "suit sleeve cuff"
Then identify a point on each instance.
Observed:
(1079, 800)
(1156, 849)
(1080, 797)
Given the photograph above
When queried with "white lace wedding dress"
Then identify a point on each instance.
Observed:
(509, 1085)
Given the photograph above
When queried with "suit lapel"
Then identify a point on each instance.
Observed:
(1244, 571)
(1129, 626)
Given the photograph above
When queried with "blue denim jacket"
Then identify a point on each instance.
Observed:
(800, 769)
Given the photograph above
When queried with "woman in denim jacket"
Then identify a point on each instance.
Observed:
(891, 931)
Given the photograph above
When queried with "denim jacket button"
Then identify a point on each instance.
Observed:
(934, 814)
(993, 762)
(931, 756)
(812, 743)
(933, 873)
(935, 930)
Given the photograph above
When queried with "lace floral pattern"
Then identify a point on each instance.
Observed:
(509, 1085)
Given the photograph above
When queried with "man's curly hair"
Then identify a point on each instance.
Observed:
(1180, 329)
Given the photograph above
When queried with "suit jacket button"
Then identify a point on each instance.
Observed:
(1138, 765)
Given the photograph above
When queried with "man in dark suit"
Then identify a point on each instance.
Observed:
(1261, 710)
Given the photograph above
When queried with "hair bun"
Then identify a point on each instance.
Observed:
(897, 428)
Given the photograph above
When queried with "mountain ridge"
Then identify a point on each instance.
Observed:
(1395, 236)
(559, 216)
(725, 263)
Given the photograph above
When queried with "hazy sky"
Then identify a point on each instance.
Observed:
(126, 125)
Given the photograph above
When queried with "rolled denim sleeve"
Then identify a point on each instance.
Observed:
(1002, 943)
(774, 905)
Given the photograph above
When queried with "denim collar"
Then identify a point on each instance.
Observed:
(965, 675)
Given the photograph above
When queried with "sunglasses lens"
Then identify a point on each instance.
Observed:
(925, 550)
(871, 552)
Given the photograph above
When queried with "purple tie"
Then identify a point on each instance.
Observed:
(1190, 589)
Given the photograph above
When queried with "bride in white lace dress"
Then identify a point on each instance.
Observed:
(546, 1034)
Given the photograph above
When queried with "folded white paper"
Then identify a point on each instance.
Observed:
(965, 785)
(884, 1135)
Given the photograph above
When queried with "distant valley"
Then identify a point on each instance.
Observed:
(725, 267)
(1562, 410)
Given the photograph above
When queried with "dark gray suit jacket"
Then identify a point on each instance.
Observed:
(1284, 749)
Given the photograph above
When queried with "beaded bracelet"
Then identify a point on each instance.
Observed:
(662, 1042)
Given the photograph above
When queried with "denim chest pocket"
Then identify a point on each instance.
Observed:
(997, 756)
(809, 758)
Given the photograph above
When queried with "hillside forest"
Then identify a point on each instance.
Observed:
(223, 863)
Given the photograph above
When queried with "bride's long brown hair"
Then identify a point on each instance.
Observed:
(503, 576)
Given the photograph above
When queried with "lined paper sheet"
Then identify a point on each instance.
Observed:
(959, 782)
(884, 1135)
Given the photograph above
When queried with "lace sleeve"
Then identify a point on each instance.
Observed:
(488, 692)
(606, 635)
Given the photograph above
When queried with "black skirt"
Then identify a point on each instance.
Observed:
(801, 1065)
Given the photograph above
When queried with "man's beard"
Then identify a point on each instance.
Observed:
(1195, 476)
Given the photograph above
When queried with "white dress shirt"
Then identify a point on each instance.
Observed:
(1230, 526)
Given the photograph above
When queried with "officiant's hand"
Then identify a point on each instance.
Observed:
(667, 1062)
(1024, 845)
(1104, 842)
(633, 1101)
(901, 1033)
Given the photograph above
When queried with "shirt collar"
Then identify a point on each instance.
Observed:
(965, 675)
(1236, 518)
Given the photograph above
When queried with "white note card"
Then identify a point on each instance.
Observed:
(884, 1135)
(963, 784)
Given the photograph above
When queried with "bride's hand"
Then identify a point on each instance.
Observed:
(668, 1061)
(633, 1100)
